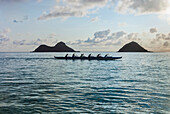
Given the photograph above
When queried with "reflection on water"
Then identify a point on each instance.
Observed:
(35, 83)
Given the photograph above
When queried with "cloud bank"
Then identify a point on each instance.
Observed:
(73, 8)
(142, 6)
(24, 42)
(104, 40)
(80, 8)
(107, 39)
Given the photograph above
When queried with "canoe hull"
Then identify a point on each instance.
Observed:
(87, 58)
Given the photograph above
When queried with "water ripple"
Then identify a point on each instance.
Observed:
(36, 83)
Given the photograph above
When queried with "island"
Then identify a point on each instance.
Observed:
(132, 47)
(59, 47)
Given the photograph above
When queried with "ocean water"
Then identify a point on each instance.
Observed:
(38, 83)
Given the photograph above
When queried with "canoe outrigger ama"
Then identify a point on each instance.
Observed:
(82, 57)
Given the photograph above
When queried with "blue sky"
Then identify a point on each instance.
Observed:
(85, 25)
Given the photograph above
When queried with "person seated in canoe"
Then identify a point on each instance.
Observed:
(105, 55)
(98, 56)
(66, 55)
(89, 56)
(82, 55)
(73, 55)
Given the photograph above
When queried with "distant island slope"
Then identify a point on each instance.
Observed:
(59, 47)
(132, 47)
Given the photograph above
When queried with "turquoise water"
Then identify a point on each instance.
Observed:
(36, 83)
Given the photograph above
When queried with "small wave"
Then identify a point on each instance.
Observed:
(25, 58)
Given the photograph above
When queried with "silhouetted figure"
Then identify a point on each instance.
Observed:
(81, 55)
(73, 55)
(98, 55)
(66, 55)
(89, 56)
(106, 55)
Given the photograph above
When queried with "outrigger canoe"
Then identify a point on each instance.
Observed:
(88, 58)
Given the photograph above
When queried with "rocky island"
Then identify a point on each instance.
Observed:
(132, 47)
(59, 47)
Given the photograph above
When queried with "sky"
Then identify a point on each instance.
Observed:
(84, 25)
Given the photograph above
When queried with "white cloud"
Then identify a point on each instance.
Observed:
(165, 16)
(166, 44)
(49, 40)
(162, 40)
(163, 36)
(81, 8)
(4, 35)
(153, 30)
(101, 34)
(116, 35)
(105, 38)
(142, 6)
(73, 8)
(106, 41)
(24, 42)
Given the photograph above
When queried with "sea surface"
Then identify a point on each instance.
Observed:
(38, 83)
